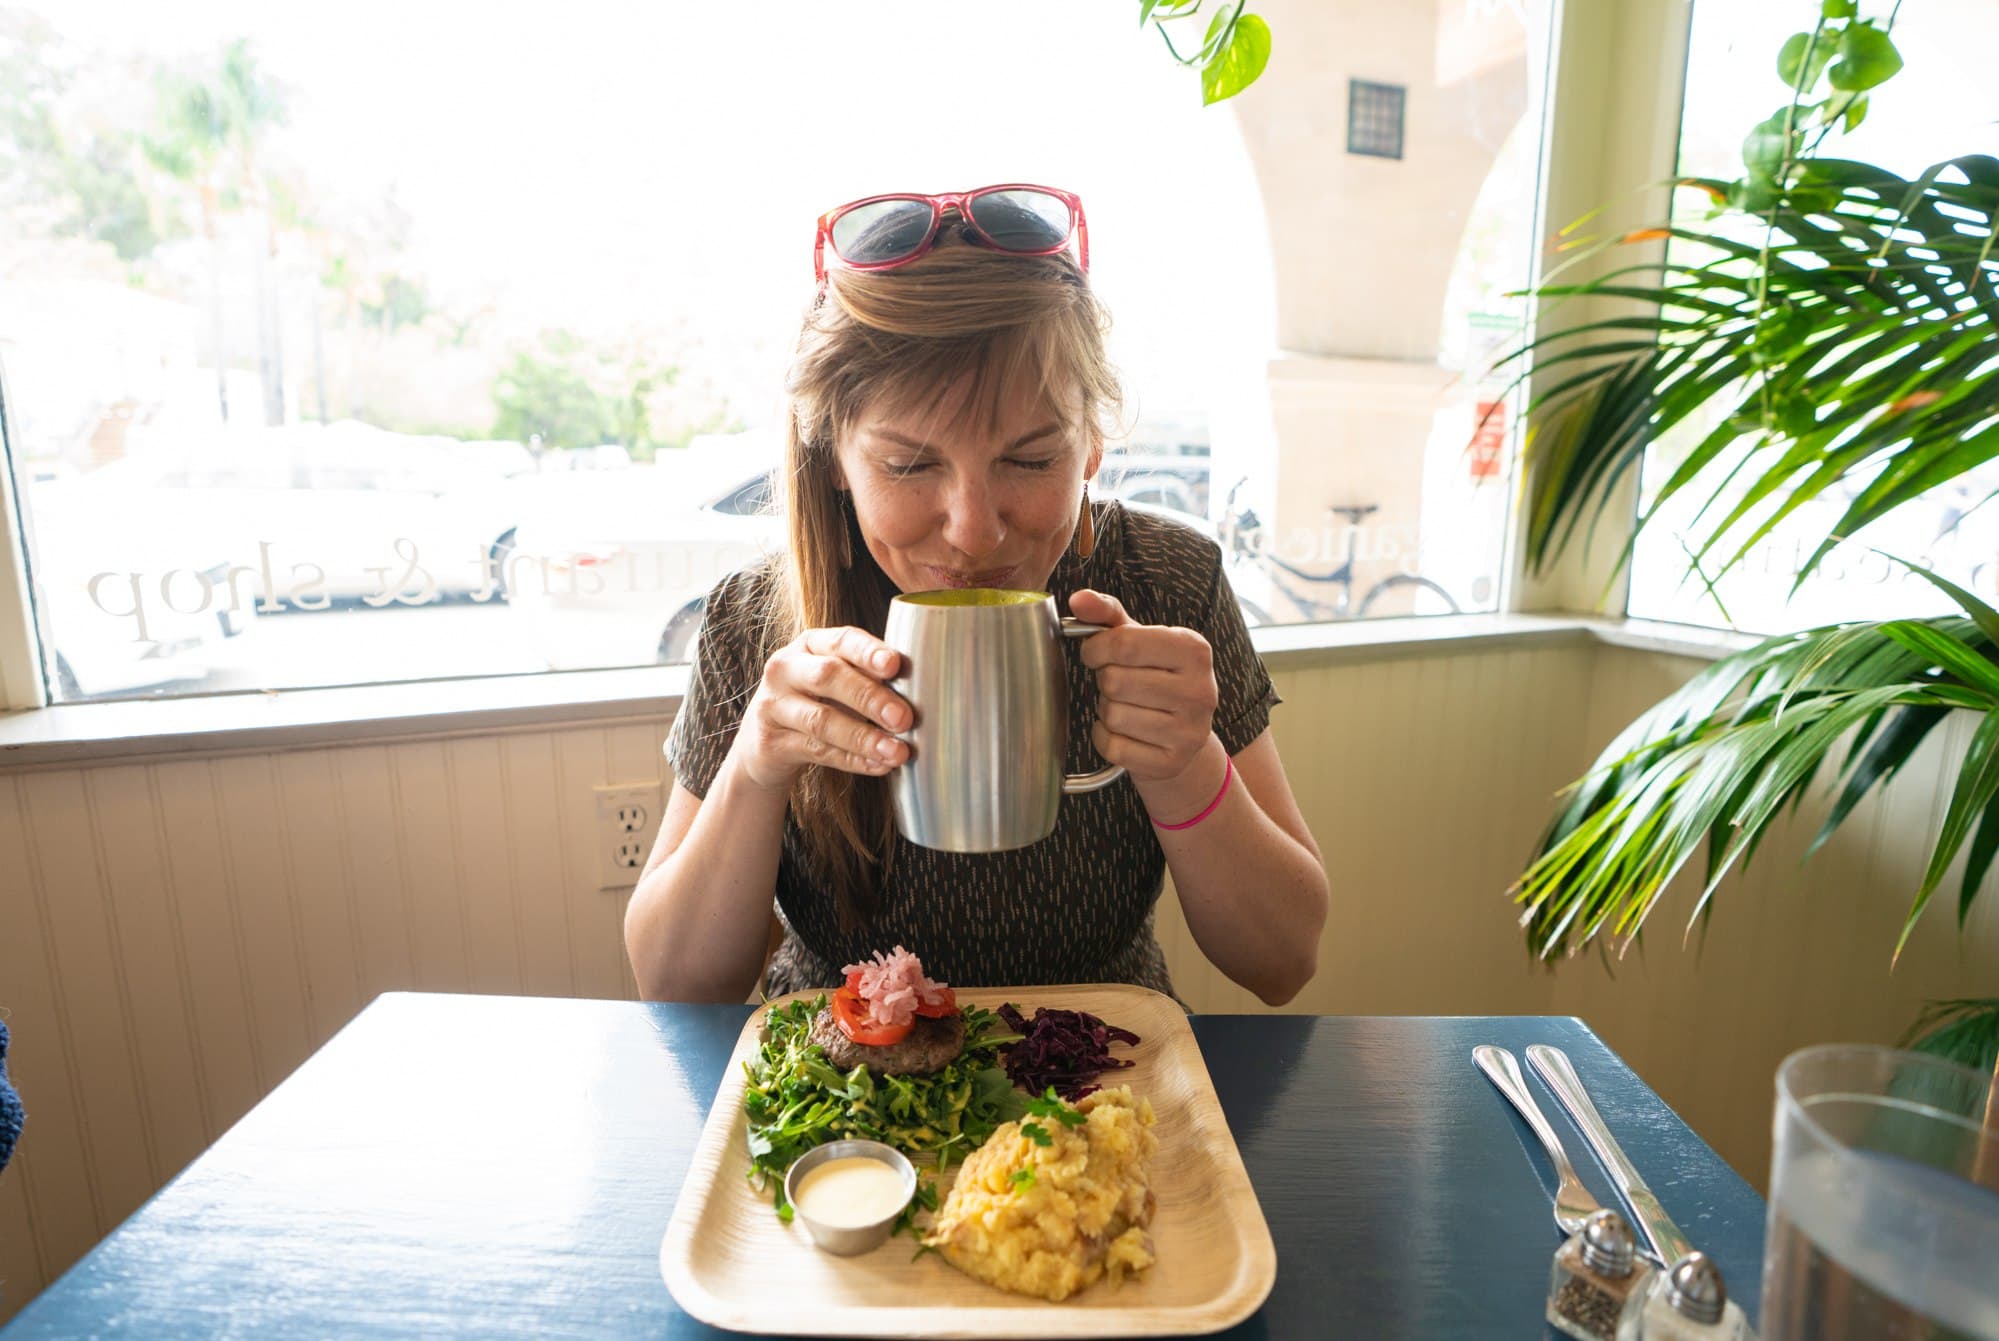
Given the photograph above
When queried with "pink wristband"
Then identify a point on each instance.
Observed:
(1228, 774)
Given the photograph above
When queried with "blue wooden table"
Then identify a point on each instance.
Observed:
(503, 1166)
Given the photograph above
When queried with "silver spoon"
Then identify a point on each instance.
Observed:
(1573, 1202)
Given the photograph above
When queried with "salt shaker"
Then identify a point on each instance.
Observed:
(1690, 1303)
(1597, 1288)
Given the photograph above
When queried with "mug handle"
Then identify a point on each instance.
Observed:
(1073, 783)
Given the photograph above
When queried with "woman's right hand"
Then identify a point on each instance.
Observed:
(823, 701)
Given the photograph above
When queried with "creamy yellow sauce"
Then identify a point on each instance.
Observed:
(849, 1193)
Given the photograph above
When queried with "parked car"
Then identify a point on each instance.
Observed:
(1175, 483)
(122, 614)
(619, 577)
(325, 514)
(623, 580)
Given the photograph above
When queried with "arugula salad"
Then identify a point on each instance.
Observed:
(796, 1100)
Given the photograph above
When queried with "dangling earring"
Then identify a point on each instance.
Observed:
(846, 532)
(1086, 528)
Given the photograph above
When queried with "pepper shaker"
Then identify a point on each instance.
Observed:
(1690, 1303)
(1597, 1288)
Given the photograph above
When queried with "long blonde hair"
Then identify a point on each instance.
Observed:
(897, 340)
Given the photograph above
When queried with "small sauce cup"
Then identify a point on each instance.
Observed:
(845, 1240)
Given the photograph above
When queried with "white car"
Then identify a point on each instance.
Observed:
(321, 514)
(123, 613)
(614, 568)
(621, 578)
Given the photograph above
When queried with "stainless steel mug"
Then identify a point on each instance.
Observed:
(983, 671)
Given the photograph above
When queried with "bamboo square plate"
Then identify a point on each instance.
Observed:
(731, 1263)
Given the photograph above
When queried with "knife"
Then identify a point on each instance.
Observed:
(1552, 1065)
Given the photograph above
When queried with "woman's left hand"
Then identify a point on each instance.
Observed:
(1155, 690)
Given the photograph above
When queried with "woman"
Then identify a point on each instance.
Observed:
(947, 403)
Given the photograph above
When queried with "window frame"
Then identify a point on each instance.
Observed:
(1626, 61)
(22, 686)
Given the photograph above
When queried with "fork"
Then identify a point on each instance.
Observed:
(1573, 1202)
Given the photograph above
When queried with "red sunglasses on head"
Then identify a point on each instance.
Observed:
(882, 232)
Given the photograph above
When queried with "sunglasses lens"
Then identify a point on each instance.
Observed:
(1031, 221)
(886, 230)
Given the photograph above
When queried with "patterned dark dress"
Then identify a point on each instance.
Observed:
(1075, 907)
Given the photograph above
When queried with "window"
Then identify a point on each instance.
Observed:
(1938, 107)
(1374, 118)
(1384, 486)
(332, 362)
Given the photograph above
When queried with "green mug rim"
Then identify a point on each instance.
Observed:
(953, 598)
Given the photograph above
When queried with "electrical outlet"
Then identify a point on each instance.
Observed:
(627, 823)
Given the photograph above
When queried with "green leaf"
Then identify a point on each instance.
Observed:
(1050, 1105)
(1965, 1031)
(1753, 194)
(1911, 726)
(1763, 152)
(1036, 1133)
(1221, 31)
(1867, 58)
(1791, 64)
(1981, 614)
(1856, 112)
(1978, 861)
(1839, 9)
(1145, 8)
(1236, 65)
(1954, 655)
(1977, 783)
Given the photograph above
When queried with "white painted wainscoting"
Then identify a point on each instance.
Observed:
(177, 935)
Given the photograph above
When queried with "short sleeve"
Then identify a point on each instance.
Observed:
(719, 686)
(1244, 694)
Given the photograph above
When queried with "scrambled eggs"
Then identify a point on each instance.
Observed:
(1050, 1219)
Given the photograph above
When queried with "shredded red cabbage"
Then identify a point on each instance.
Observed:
(1065, 1048)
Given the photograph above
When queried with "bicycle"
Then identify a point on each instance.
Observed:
(1396, 594)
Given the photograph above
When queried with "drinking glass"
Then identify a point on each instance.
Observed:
(1884, 1200)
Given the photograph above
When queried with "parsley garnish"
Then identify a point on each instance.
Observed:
(1023, 1178)
(1036, 1133)
(1050, 1105)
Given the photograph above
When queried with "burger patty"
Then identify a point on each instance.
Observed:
(930, 1046)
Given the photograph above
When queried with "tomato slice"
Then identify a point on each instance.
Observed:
(851, 1014)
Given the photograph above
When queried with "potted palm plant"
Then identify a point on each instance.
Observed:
(1827, 331)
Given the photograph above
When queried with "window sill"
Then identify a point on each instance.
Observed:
(300, 718)
(307, 718)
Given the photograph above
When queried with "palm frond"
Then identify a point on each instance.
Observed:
(1710, 767)
(1863, 340)
(1965, 1031)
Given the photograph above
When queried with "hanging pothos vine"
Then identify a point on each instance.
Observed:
(1230, 57)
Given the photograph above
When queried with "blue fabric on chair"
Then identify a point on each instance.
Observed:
(11, 1113)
